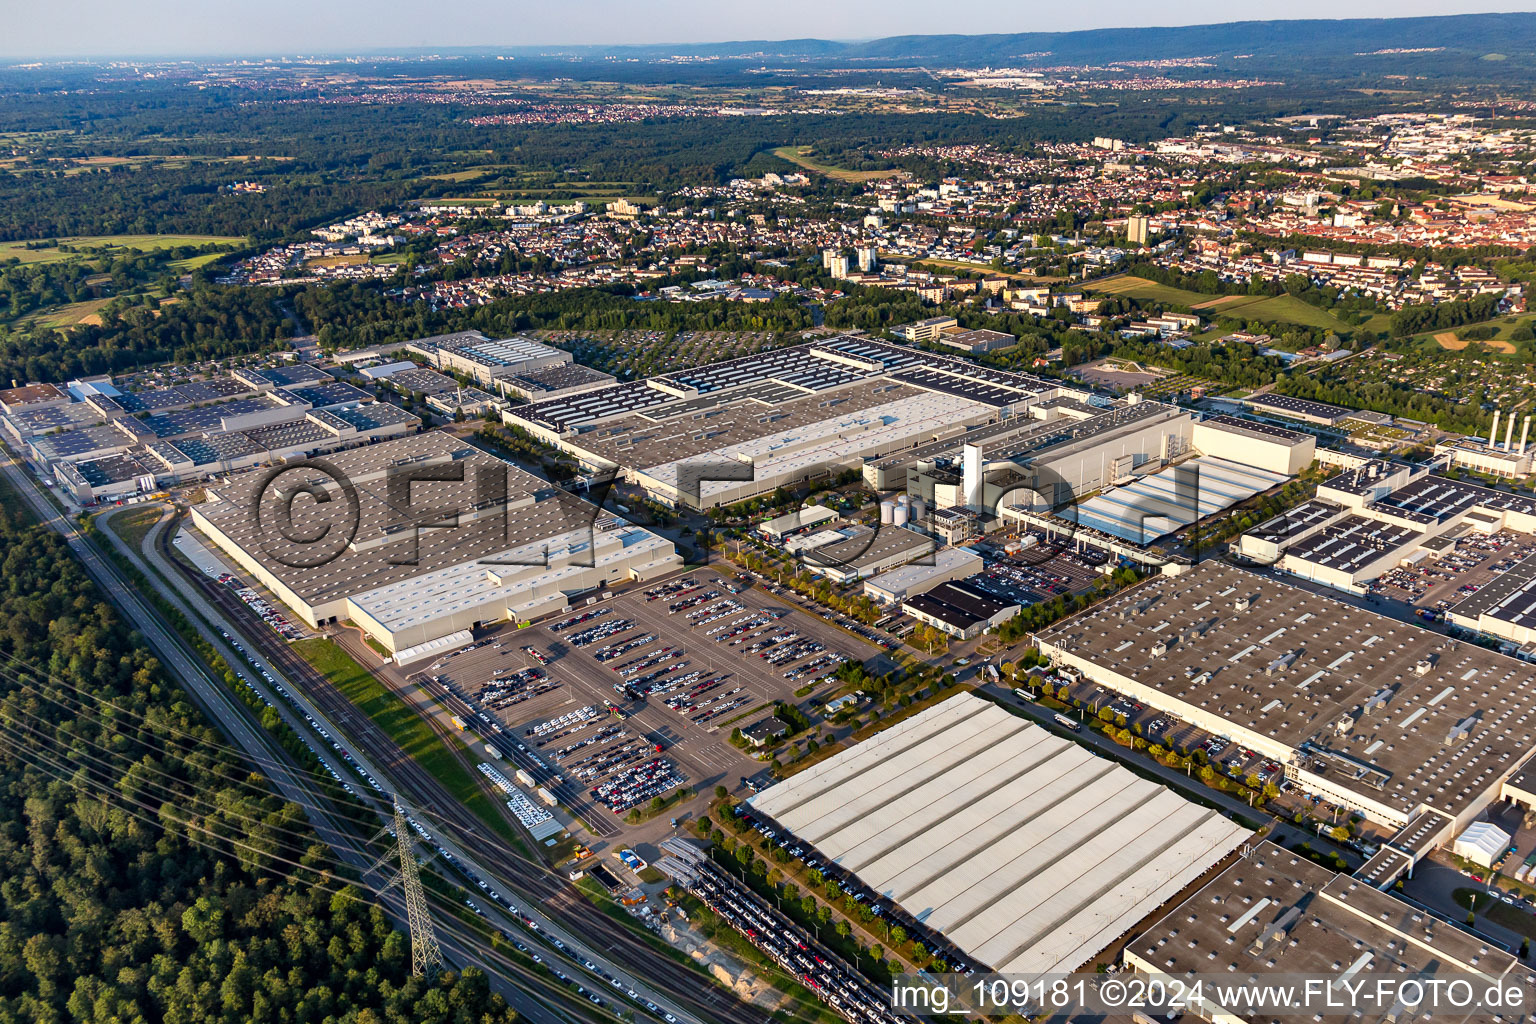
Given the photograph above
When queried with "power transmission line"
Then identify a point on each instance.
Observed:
(426, 955)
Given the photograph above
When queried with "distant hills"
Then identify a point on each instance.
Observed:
(1475, 34)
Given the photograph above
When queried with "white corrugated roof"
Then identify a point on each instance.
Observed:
(1026, 850)
(1171, 499)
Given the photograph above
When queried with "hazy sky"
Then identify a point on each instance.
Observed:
(52, 28)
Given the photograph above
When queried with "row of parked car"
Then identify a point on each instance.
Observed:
(851, 885)
(792, 949)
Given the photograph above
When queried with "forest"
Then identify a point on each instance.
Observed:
(175, 150)
(206, 322)
(148, 875)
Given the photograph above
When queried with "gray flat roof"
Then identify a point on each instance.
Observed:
(1295, 665)
(1253, 428)
(1509, 597)
(1285, 405)
(1274, 911)
(387, 548)
(869, 548)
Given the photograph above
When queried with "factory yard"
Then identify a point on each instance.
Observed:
(1464, 568)
(627, 699)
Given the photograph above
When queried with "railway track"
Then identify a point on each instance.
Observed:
(525, 876)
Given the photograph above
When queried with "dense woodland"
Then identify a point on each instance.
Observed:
(322, 161)
(147, 877)
(206, 322)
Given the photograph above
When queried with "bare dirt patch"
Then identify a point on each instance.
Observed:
(1448, 340)
(1220, 300)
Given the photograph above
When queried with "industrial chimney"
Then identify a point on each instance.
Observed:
(1493, 434)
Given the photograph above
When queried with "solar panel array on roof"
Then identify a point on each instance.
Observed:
(373, 415)
(814, 367)
(1351, 543)
(77, 442)
(289, 376)
(997, 395)
(280, 436)
(208, 417)
(180, 395)
(56, 417)
(215, 447)
(323, 396)
(110, 470)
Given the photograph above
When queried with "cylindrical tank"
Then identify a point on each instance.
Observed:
(887, 511)
(900, 517)
(919, 509)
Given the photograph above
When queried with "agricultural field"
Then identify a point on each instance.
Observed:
(1141, 288)
(637, 353)
(803, 156)
(1503, 339)
(1274, 309)
(71, 165)
(137, 243)
(71, 315)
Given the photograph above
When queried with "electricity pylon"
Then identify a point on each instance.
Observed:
(426, 954)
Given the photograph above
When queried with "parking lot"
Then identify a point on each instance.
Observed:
(796, 951)
(1225, 756)
(1035, 574)
(628, 698)
(1163, 729)
(1465, 567)
(849, 883)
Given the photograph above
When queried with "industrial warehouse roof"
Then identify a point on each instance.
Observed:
(1159, 504)
(1025, 850)
(1298, 408)
(1508, 597)
(799, 519)
(793, 372)
(901, 582)
(524, 529)
(1276, 911)
(1387, 710)
(1255, 429)
(959, 605)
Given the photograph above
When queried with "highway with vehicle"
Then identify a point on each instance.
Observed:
(585, 934)
(237, 723)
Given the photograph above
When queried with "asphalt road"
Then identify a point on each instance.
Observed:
(236, 723)
(586, 932)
